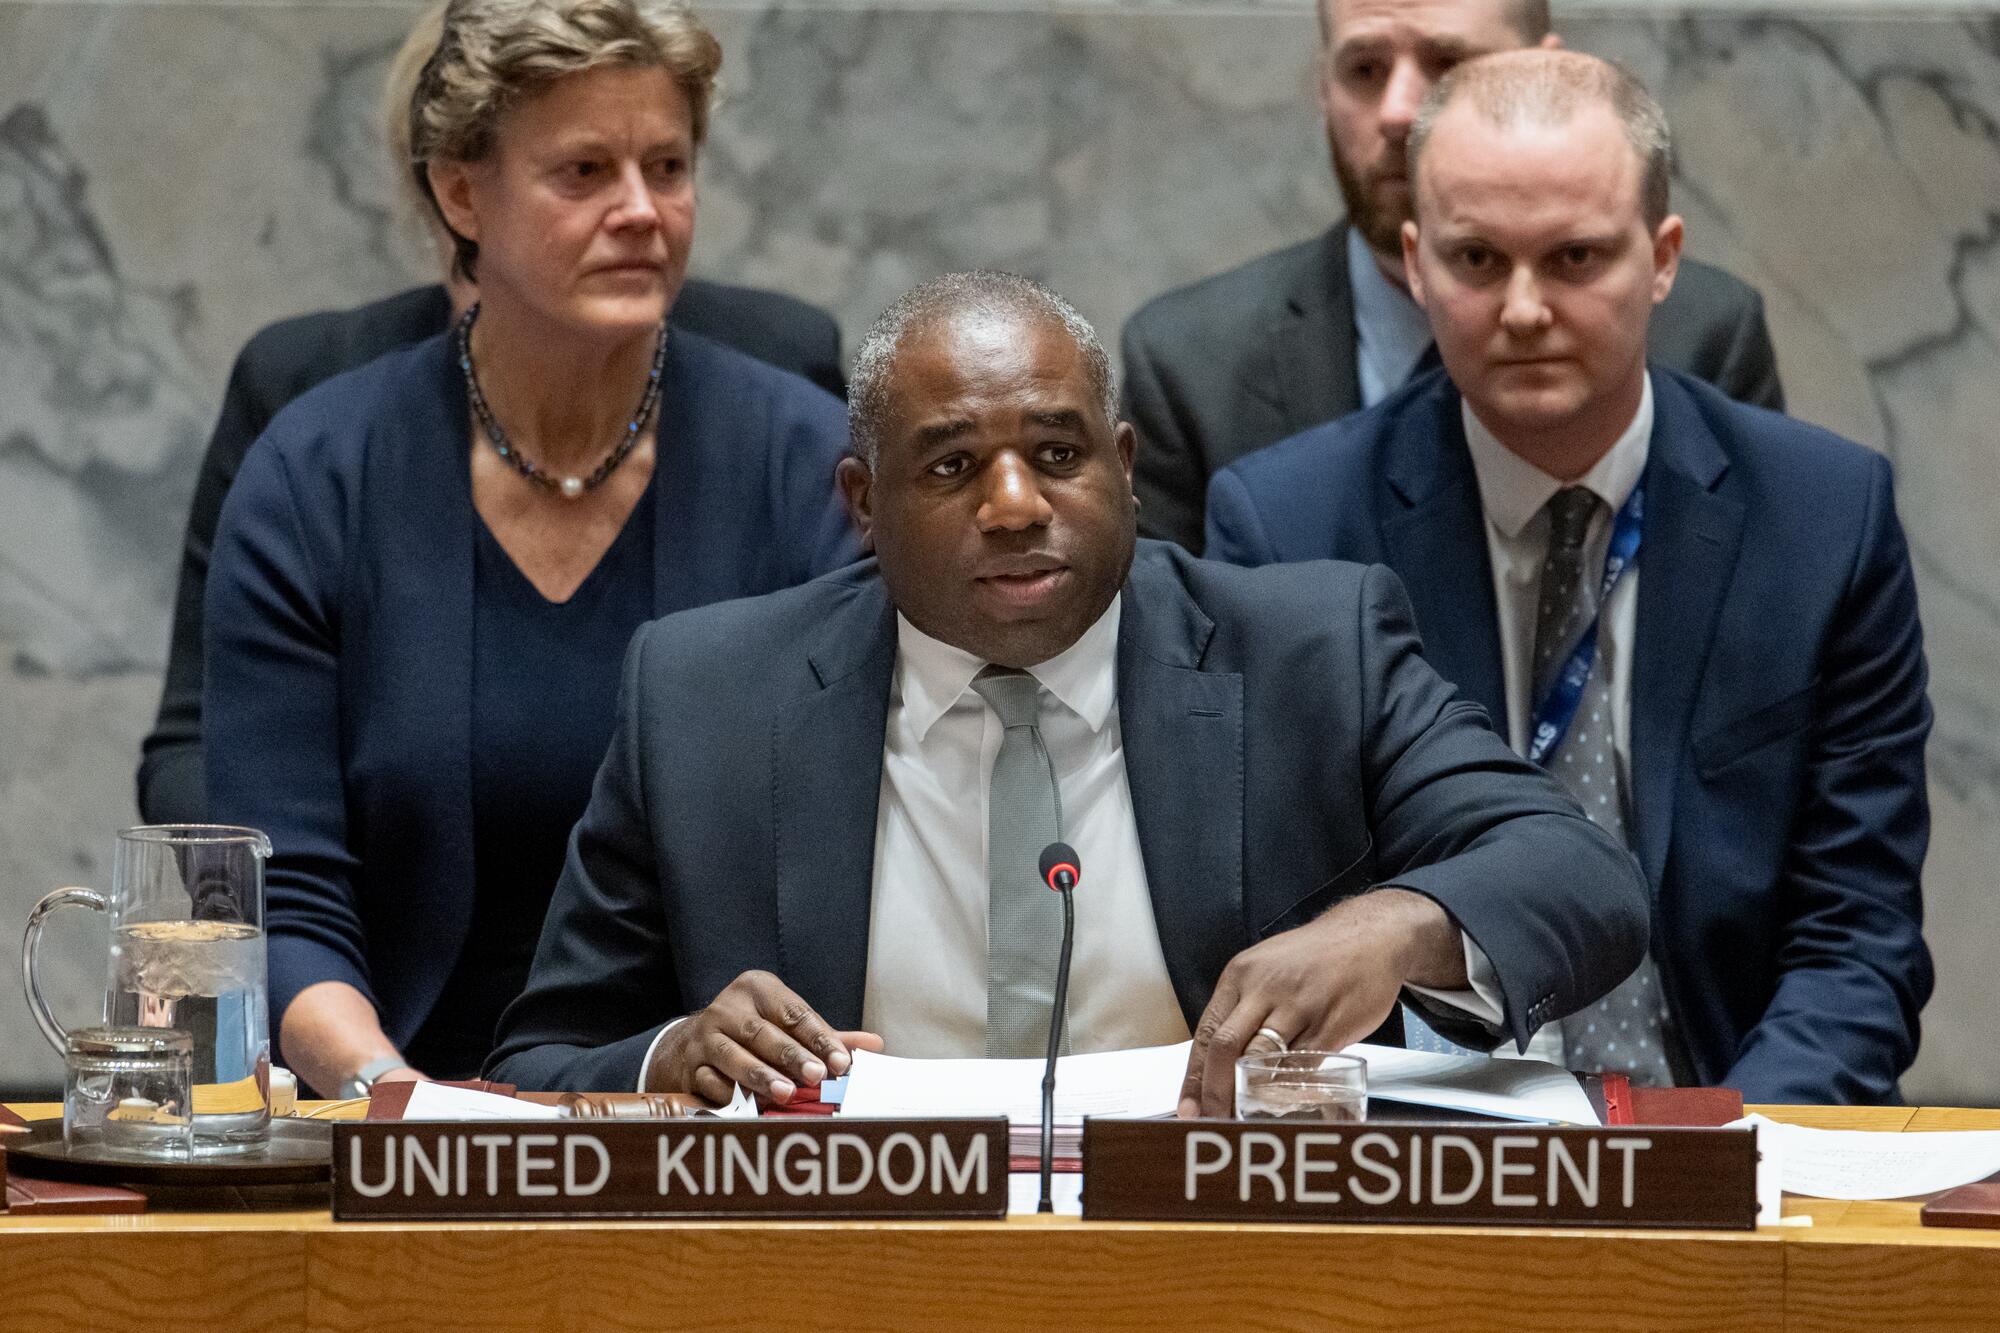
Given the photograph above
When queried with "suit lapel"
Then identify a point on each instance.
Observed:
(1312, 344)
(1182, 731)
(1434, 537)
(826, 753)
(1686, 559)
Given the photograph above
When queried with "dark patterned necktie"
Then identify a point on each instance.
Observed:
(1627, 1031)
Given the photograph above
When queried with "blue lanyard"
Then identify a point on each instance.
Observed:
(1558, 708)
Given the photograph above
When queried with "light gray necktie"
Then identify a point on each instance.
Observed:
(1023, 917)
(1628, 1031)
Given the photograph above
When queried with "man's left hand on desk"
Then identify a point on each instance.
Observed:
(1322, 986)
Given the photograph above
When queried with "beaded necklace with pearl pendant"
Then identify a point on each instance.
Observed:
(569, 488)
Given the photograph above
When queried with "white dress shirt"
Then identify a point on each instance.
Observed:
(1514, 494)
(926, 986)
(926, 990)
(1392, 333)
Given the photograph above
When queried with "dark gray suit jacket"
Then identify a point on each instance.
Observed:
(1227, 365)
(1285, 743)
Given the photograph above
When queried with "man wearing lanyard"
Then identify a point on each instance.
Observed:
(1316, 330)
(1699, 615)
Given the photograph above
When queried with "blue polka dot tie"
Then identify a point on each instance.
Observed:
(1628, 1031)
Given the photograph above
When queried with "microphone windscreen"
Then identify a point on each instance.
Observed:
(1059, 856)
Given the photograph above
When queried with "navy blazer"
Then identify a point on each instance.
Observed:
(340, 624)
(1285, 746)
(283, 360)
(1778, 703)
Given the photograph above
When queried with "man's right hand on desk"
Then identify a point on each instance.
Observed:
(757, 1033)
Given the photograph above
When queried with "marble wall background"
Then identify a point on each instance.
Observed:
(172, 177)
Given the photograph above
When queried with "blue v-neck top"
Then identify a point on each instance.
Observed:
(544, 696)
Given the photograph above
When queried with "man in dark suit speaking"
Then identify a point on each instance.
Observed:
(1699, 614)
(1326, 327)
(819, 819)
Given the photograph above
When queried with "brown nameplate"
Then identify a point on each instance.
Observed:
(669, 1168)
(1486, 1174)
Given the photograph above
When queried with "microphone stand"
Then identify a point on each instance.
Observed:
(1057, 1015)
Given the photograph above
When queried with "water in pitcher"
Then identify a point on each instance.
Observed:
(207, 979)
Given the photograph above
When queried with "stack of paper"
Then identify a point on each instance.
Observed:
(1143, 1082)
(1147, 1082)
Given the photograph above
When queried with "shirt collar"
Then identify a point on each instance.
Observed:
(1386, 317)
(932, 675)
(1512, 490)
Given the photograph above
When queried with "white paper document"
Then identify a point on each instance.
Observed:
(742, 1106)
(1024, 1193)
(1142, 1082)
(1147, 1082)
(1512, 1089)
(1873, 1164)
(435, 1101)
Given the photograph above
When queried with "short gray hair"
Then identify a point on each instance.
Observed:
(930, 303)
(1544, 87)
(492, 54)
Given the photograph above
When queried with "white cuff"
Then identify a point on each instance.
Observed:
(646, 1065)
(1483, 1000)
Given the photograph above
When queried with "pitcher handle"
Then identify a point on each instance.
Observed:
(31, 941)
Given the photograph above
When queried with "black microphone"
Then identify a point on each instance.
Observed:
(1060, 871)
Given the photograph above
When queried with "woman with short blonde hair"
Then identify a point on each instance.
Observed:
(428, 569)
(494, 53)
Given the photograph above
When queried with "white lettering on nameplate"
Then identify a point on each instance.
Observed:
(1449, 1171)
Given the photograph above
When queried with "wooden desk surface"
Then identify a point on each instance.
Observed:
(220, 1262)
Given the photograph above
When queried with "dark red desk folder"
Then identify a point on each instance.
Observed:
(1694, 1107)
(1975, 1205)
(26, 1195)
(1622, 1104)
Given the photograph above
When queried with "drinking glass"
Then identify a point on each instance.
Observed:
(1318, 1086)
(129, 1091)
